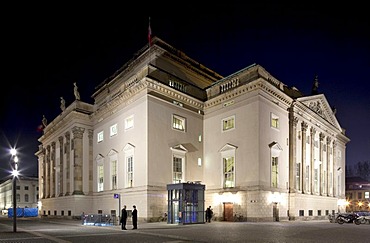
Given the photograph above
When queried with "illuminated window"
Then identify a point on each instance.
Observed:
(129, 122)
(228, 171)
(114, 174)
(100, 178)
(228, 165)
(274, 171)
(178, 123)
(100, 136)
(130, 171)
(177, 170)
(113, 130)
(274, 121)
(228, 123)
(129, 151)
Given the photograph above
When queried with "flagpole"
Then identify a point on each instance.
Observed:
(149, 43)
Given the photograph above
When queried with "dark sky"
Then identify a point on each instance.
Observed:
(45, 49)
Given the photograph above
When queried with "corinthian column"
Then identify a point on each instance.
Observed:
(303, 170)
(78, 159)
(312, 156)
(292, 154)
(68, 163)
(61, 166)
(52, 170)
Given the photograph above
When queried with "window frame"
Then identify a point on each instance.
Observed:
(113, 130)
(177, 126)
(100, 136)
(225, 121)
(129, 122)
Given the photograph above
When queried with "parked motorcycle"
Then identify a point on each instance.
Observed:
(347, 218)
(363, 218)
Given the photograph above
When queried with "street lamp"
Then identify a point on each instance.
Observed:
(15, 172)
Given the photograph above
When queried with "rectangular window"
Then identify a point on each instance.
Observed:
(177, 169)
(228, 123)
(18, 198)
(100, 136)
(18, 187)
(228, 170)
(113, 130)
(114, 174)
(316, 180)
(178, 123)
(310, 212)
(100, 178)
(330, 182)
(26, 197)
(307, 177)
(301, 212)
(129, 122)
(274, 121)
(359, 195)
(26, 188)
(367, 195)
(130, 171)
(274, 171)
(298, 177)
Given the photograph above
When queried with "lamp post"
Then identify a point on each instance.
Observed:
(13, 152)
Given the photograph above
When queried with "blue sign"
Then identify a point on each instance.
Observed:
(116, 195)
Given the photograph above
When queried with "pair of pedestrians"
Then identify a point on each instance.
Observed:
(123, 219)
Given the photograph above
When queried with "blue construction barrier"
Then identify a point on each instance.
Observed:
(23, 212)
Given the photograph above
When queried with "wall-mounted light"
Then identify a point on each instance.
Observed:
(199, 162)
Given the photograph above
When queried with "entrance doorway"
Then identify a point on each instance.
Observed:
(228, 212)
(275, 212)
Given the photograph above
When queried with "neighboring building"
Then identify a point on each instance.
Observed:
(27, 193)
(357, 194)
(263, 150)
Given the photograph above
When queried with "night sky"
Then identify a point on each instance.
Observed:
(45, 49)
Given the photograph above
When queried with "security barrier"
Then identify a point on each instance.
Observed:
(99, 219)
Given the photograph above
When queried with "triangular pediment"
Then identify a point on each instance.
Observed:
(228, 147)
(99, 157)
(179, 147)
(319, 105)
(128, 147)
(112, 152)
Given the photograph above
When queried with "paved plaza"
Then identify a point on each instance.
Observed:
(60, 230)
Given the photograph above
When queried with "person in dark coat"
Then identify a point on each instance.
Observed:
(123, 218)
(134, 218)
(209, 214)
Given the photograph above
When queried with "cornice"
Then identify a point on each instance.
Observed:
(128, 96)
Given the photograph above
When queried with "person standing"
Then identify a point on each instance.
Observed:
(123, 218)
(134, 218)
(209, 214)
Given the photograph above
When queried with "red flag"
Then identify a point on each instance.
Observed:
(40, 128)
(149, 34)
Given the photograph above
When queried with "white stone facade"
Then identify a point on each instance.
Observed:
(164, 118)
(27, 189)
